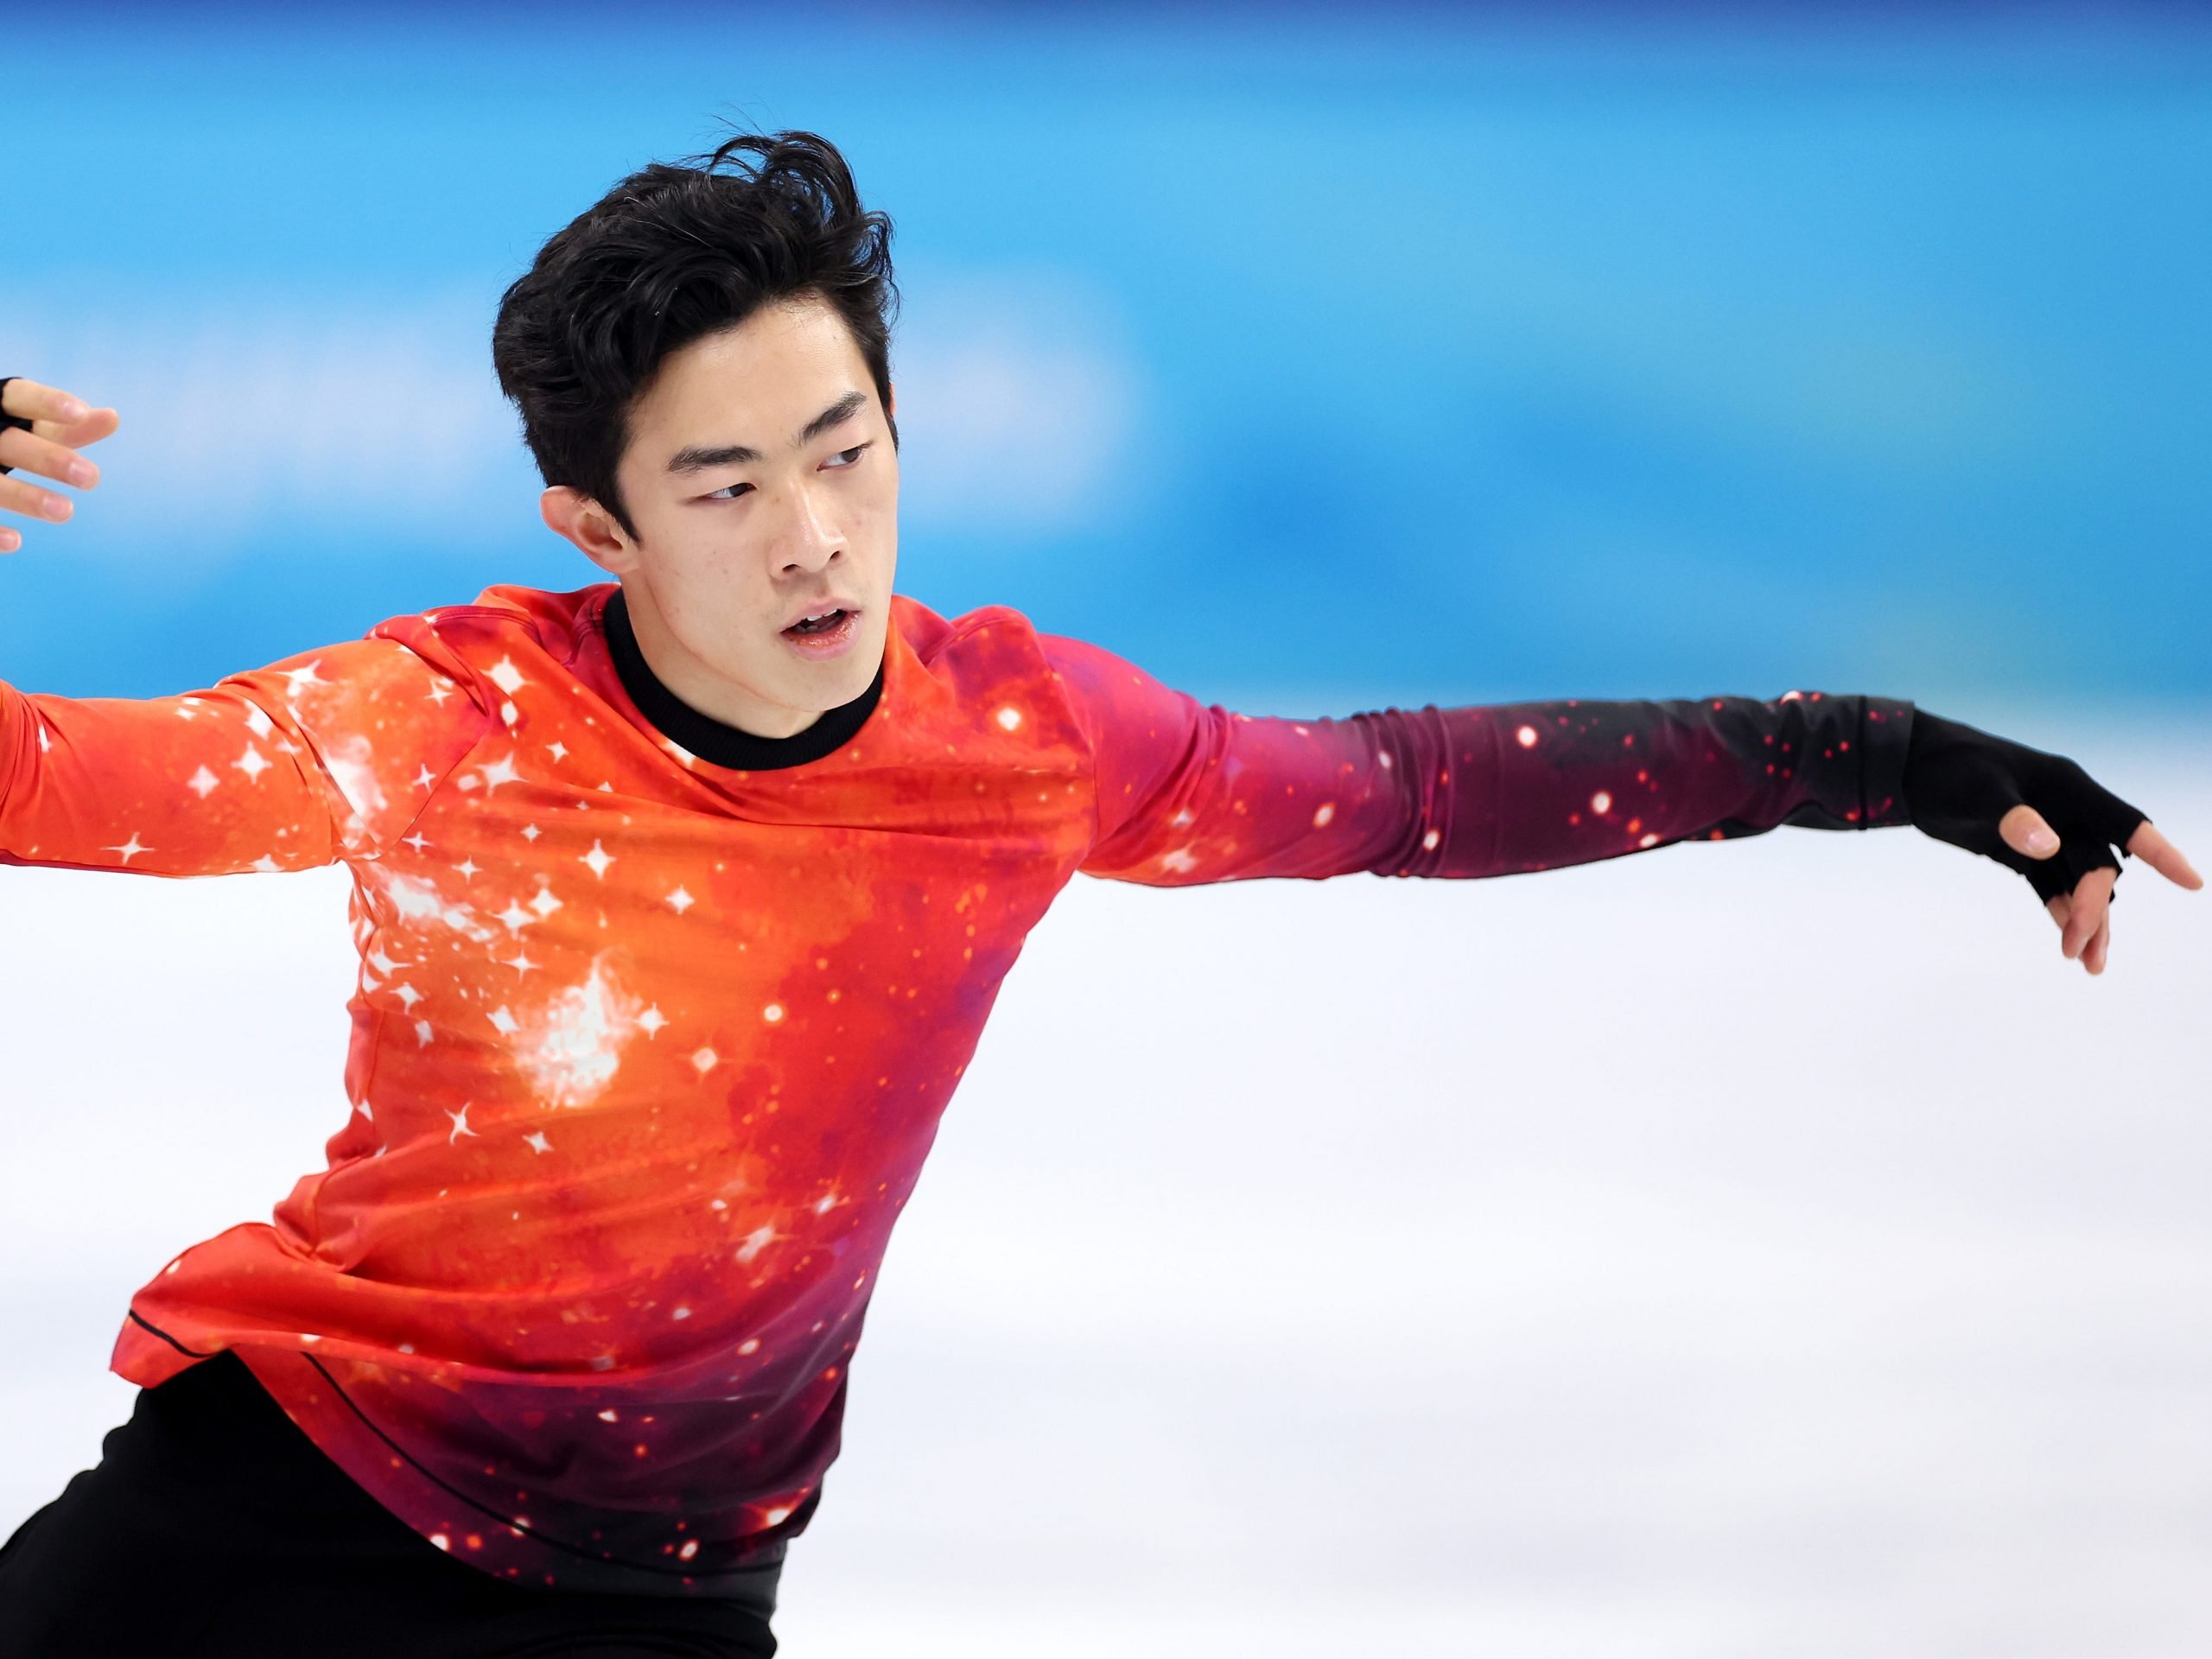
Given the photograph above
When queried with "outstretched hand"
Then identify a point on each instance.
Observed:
(61, 425)
(2084, 916)
(2041, 815)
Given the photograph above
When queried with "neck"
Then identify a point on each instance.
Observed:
(716, 741)
(698, 685)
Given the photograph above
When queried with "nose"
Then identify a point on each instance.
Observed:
(810, 538)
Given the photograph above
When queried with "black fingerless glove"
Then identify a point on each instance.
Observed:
(8, 420)
(1959, 782)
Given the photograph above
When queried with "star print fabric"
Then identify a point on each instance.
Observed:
(647, 1051)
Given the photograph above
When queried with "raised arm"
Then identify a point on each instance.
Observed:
(1189, 793)
(326, 754)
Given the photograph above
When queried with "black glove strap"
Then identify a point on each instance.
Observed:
(8, 420)
(1959, 782)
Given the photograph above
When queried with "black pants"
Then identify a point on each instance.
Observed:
(213, 1528)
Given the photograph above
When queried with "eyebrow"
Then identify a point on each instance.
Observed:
(699, 458)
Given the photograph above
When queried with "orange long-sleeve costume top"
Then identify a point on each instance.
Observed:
(648, 1048)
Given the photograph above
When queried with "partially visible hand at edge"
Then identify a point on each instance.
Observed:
(61, 425)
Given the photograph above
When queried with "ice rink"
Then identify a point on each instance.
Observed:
(1769, 1247)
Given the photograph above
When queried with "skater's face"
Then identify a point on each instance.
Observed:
(762, 480)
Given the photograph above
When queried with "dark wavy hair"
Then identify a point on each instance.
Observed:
(670, 254)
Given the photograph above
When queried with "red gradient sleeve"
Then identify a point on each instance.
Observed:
(326, 754)
(1189, 793)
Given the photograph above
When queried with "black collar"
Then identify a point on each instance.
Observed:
(711, 739)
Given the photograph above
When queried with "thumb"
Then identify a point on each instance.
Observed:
(2023, 830)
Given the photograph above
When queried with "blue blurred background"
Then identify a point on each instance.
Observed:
(1311, 358)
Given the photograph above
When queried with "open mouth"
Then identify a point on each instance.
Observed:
(828, 635)
(814, 625)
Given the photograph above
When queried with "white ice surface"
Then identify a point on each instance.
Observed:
(1734, 1249)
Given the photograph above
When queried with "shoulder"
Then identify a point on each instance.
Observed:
(996, 658)
(999, 636)
(981, 651)
(473, 638)
(931, 636)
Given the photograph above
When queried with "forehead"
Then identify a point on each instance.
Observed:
(755, 382)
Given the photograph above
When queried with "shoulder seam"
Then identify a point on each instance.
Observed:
(437, 614)
(969, 624)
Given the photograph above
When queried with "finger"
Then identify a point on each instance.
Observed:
(100, 423)
(39, 402)
(2100, 946)
(2092, 899)
(2061, 907)
(28, 452)
(2023, 830)
(2162, 855)
(19, 495)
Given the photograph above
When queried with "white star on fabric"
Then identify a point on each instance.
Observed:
(499, 772)
(439, 692)
(681, 901)
(531, 832)
(300, 679)
(131, 848)
(505, 1021)
(467, 867)
(559, 751)
(520, 962)
(424, 777)
(460, 1123)
(652, 1020)
(407, 995)
(515, 916)
(414, 841)
(383, 964)
(203, 781)
(265, 864)
(507, 676)
(537, 1143)
(598, 858)
(422, 1034)
(704, 1059)
(258, 721)
(546, 904)
(253, 763)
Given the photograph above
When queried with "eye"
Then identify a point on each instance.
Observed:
(848, 457)
(723, 494)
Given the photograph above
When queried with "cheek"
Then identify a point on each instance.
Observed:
(878, 524)
(707, 569)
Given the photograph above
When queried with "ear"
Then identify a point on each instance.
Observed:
(579, 519)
